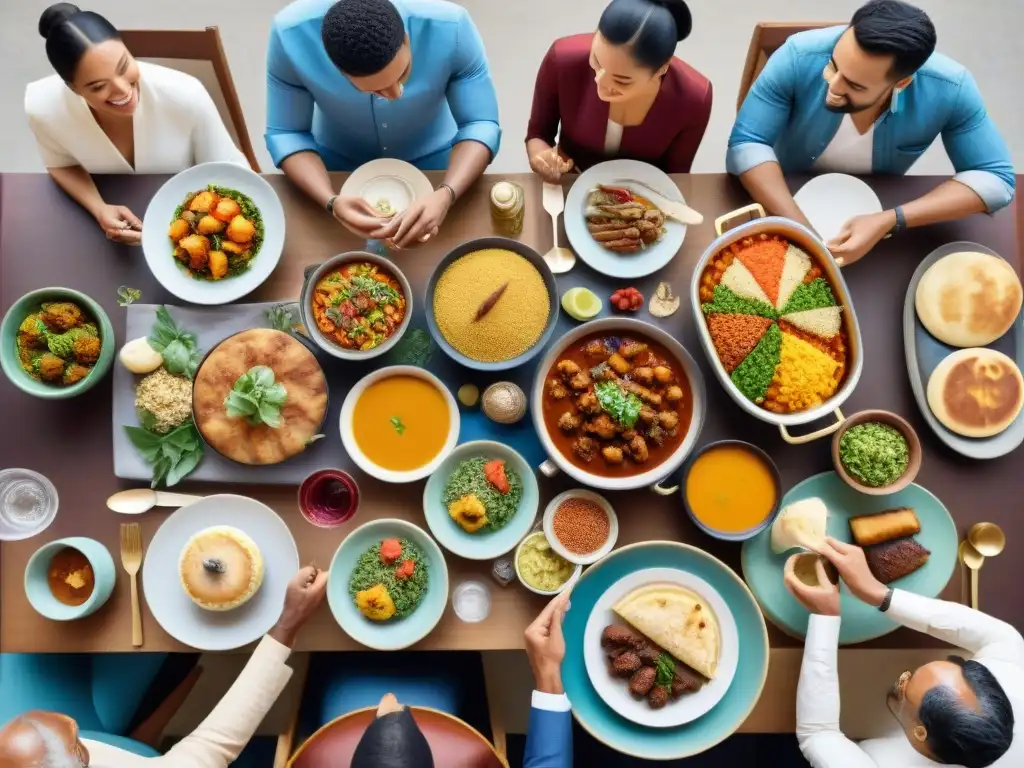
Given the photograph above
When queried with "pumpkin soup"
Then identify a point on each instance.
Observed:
(401, 423)
(730, 489)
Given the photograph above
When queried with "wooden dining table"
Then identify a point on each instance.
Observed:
(47, 240)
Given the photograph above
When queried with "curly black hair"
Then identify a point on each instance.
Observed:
(362, 37)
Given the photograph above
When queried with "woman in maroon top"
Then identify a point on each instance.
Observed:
(646, 105)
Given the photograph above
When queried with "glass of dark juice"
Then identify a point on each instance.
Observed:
(328, 498)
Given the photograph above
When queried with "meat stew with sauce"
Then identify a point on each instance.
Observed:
(617, 406)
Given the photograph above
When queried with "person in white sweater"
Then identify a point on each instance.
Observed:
(51, 740)
(105, 112)
(954, 712)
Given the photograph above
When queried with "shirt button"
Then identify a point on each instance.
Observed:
(384, 148)
(383, 125)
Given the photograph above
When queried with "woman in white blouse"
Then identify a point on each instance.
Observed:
(105, 112)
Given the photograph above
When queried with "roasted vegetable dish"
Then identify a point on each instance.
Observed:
(358, 306)
(216, 232)
(621, 220)
(617, 406)
(58, 343)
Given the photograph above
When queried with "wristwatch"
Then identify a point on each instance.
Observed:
(886, 601)
(901, 221)
(330, 203)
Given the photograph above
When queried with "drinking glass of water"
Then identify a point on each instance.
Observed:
(28, 504)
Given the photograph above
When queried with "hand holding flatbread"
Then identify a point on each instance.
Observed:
(800, 525)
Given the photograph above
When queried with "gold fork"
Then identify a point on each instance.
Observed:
(131, 559)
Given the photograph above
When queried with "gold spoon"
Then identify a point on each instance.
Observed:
(973, 559)
(987, 538)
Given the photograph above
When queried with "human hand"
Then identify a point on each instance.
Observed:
(305, 592)
(120, 224)
(417, 223)
(359, 217)
(859, 235)
(550, 165)
(822, 599)
(545, 645)
(853, 569)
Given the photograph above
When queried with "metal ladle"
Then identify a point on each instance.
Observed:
(972, 559)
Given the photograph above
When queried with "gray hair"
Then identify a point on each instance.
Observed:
(33, 734)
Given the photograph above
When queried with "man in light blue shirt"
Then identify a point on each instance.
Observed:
(354, 80)
(870, 97)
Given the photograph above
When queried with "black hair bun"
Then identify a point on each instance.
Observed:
(56, 15)
(681, 13)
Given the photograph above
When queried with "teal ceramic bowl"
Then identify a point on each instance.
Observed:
(861, 622)
(38, 590)
(395, 634)
(485, 544)
(9, 340)
(630, 738)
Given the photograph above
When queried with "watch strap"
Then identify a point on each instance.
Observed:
(901, 221)
(330, 203)
(451, 192)
(886, 601)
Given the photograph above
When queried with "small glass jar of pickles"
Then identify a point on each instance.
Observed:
(508, 208)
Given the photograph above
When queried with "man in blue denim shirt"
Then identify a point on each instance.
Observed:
(869, 98)
(355, 80)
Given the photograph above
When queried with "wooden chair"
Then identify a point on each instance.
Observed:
(200, 54)
(768, 37)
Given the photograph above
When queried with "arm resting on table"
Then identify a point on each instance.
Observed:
(817, 701)
(549, 738)
(222, 736)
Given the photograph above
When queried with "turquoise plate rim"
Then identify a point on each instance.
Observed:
(492, 544)
(574, 666)
(846, 638)
(437, 586)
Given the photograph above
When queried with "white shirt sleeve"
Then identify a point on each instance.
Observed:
(211, 141)
(817, 701)
(53, 154)
(552, 702)
(988, 638)
(222, 736)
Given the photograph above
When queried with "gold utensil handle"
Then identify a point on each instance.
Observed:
(136, 615)
(823, 432)
(974, 588)
(746, 212)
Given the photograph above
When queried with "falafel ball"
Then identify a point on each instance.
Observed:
(74, 373)
(658, 697)
(86, 350)
(642, 681)
(61, 316)
(616, 634)
(626, 664)
(50, 367)
(649, 655)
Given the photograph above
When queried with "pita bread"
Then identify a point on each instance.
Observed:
(678, 620)
(800, 525)
(976, 392)
(968, 299)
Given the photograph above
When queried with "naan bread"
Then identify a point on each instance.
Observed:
(968, 299)
(678, 620)
(800, 525)
(976, 392)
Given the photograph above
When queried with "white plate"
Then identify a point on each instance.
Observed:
(397, 181)
(830, 200)
(644, 262)
(614, 690)
(158, 249)
(213, 630)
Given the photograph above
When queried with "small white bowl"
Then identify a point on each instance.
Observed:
(355, 452)
(549, 593)
(549, 526)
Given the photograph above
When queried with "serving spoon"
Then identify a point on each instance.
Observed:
(973, 559)
(560, 260)
(139, 500)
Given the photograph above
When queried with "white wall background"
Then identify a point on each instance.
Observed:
(982, 34)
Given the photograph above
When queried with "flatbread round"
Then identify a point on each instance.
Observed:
(976, 392)
(678, 620)
(968, 299)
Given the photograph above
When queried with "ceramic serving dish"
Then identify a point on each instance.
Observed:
(478, 245)
(556, 544)
(567, 584)
(924, 352)
(757, 223)
(313, 275)
(896, 422)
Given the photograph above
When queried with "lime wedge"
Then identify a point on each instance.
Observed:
(581, 303)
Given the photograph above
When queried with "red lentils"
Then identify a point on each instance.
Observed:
(735, 335)
(765, 257)
(581, 525)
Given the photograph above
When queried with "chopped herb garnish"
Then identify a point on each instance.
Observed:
(622, 406)
(396, 422)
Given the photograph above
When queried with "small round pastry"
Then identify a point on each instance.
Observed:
(221, 568)
(976, 392)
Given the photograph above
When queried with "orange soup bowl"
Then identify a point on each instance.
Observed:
(731, 490)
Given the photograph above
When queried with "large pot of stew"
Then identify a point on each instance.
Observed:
(776, 321)
(618, 404)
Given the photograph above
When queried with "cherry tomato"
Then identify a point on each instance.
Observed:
(623, 304)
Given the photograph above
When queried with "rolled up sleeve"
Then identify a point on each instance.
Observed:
(289, 105)
(471, 95)
(764, 114)
(977, 150)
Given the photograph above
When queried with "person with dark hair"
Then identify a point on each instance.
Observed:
(620, 92)
(51, 740)
(953, 712)
(105, 112)
(869, 97)
(356, 80)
